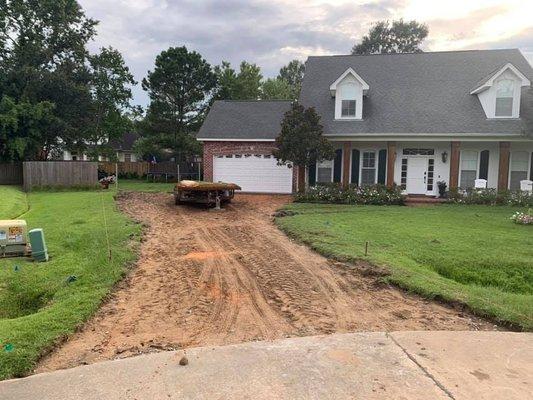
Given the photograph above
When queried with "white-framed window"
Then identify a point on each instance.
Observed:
(127, 157)
(368, 168)
(519, 168)
(348, 108)
(324, 171)
(348, 94)
(469, 166)
(504, 98)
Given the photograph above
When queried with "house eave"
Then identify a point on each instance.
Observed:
(431, 137)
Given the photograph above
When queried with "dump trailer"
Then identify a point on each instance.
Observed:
(209, 193)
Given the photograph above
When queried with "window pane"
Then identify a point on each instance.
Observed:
(519, 161)
(369, 160)
(349, 90)
(516, 177)
(348, 108)
(323, 175)
(469, 160)
(504, 88)
(368, 176)
(504, 106)
(468, 179)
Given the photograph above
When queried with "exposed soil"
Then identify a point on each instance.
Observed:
(214, 278)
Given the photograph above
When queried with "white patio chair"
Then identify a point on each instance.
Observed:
(480, 184)
(526, 186)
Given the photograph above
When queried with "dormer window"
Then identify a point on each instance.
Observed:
(504, 98)
(499, 93)
(348, 91)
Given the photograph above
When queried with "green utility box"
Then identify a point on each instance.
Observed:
(13, 238)
(39, 251)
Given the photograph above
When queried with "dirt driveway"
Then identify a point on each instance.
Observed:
(213, 278)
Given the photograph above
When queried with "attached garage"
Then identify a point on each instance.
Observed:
(239, 138)
(253, 172)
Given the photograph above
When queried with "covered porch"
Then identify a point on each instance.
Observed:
(417, 166)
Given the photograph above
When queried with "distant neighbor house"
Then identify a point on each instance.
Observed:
(405, 119)
(123, 148)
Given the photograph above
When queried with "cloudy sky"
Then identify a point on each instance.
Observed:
(272, 32)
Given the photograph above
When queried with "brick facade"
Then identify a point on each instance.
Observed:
(212, 149)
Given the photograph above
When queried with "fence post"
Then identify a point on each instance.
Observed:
(116, 176)
(179, 172)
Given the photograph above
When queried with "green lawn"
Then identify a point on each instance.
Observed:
(12, 202)
(140, 185)
(38, 304)
(471, 254)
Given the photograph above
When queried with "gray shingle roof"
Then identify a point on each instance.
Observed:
(244, 120)
(416, 93)
(124, 143)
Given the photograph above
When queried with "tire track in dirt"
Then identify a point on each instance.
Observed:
(208, 278)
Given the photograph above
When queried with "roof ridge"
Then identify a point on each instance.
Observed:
(254, 100)
(415, 53)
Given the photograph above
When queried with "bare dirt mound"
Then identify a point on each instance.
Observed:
(208, 278)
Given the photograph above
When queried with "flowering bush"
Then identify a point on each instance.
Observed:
(523, 218)
(492, 197)
(106, 181)
(335, 193)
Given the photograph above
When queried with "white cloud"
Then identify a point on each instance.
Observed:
(272, 32)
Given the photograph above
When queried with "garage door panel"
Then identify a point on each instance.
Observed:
(253, 173)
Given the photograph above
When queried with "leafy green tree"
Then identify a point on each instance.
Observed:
(242, 85)
(293, 74)
(226, 81)
(179, 87)
(21, 126)
(301, 141)
(400, 37)
(43, 71)
(276, 89)
(111, 82)
(248, 83)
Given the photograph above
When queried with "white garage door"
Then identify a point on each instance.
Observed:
(253, 173)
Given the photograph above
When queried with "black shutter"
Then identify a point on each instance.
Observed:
(382, 166)
(355, 167)
(337, 165)
(484, 165)
(531, 171)
(312, 175)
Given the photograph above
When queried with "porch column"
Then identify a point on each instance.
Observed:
(346, 153)
(503, 172)
(301, 179)
(391, 161)
(454, 165)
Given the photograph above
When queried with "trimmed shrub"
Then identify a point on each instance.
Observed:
(492, 197)
(336, 194)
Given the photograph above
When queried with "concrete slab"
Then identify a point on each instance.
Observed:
(475, 365)
(342, 366)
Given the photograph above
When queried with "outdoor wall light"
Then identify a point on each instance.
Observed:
(444, 157)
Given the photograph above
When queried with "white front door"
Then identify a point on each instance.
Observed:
(417, 168)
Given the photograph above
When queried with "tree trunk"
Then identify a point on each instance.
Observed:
(301, 178)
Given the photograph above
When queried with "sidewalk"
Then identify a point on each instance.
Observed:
(400, 365)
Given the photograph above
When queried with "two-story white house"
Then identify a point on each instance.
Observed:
(408, 119)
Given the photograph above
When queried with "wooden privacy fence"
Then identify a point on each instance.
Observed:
(139, 168)
(10, 174)
(59, 174)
